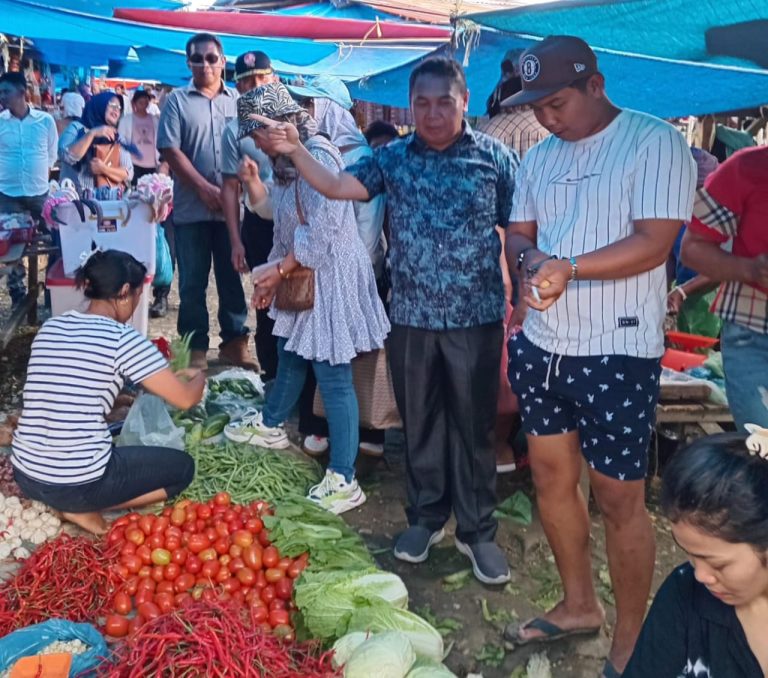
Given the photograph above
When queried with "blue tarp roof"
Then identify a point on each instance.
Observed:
(348, 63)
(102, 34)
(673, 29)
(105, 8)
(661, 87)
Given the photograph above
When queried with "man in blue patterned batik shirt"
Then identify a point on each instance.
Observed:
(447, 189)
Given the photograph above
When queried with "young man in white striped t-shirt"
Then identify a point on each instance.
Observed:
(597, 207)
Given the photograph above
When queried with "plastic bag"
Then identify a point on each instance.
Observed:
(163, 260)
(34, 639)
(148, 423)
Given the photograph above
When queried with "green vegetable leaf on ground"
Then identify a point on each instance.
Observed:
(499, 618)
(517, 508)
(457, 580)
(444, 625)
(491, 655)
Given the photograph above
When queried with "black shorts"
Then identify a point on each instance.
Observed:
(130, 472)
(610, 400)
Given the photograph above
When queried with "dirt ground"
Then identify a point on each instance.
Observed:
(470, 614)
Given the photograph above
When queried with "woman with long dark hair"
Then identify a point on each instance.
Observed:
(710, 617)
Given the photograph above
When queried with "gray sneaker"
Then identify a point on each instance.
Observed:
(413, 545)
(488, 561)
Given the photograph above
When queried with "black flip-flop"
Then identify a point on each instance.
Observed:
(609, 670)
(551, 632)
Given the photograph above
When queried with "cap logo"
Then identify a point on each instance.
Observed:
(530, 67)
(580, 68)
(250, 59)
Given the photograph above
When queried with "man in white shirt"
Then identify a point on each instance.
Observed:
(597, 207)
(28, 142)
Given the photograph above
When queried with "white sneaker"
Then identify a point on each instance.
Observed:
(335, 494)
(315, 446)
(251, 429)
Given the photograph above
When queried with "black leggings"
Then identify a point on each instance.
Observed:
(131, 472)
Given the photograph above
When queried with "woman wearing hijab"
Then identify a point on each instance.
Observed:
(90, 150)
(347, 316)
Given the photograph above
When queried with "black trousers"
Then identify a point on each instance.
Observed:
(446, 385)
(258, 237)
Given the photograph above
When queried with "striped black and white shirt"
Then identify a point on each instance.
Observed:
(78, 365)
(587, 194)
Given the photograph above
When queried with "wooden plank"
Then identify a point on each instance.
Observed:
(711, 428)
(673, 392)
(692, 413)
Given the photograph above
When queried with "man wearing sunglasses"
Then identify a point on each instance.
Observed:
(190, 140)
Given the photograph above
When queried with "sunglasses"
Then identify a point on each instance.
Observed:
(116, 106)
(210, 58)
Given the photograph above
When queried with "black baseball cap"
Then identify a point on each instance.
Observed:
(252, 63)
(551, 65)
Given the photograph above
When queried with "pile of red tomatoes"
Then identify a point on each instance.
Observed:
(191, 551)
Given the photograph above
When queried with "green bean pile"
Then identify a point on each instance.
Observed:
(249, 473)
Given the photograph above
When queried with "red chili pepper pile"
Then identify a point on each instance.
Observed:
(68, 577)
(214, 551)
(212, 639)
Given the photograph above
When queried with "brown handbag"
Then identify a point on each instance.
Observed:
(297, 291)
(110, 156)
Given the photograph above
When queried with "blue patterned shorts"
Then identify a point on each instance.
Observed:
(610, 400)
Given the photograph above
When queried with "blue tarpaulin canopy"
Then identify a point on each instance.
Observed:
(672, 29)
(663, 87)
(348, 63)
(104, 35)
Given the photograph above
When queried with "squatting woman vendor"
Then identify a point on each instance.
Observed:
(62, 452)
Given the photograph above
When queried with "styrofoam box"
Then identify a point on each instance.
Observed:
(66, 297)
(136, 236)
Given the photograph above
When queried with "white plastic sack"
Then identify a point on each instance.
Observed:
(148, 423)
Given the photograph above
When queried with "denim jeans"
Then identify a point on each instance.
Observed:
(339, 399)
(196, 244)
(745, 361)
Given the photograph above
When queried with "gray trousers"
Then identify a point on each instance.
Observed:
(17, 287)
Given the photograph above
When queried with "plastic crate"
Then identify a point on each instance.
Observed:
(690, 342)
(682, 360)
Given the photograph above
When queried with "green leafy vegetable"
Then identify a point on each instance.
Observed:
(384, 655)
(181, 354)
(444, 625)
(382, 617)
(425, 668)
(327, 600)
(492, 655)
(517, 508)
(457, 580)
(345, 646)
(298, 525)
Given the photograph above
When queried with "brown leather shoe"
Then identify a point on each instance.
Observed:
(198, 360)
(236, 352)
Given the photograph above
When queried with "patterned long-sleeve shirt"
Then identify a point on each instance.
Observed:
(444, 207)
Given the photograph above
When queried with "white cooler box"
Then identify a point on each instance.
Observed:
(66, 297)
(136, 236)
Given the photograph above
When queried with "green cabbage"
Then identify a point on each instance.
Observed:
(379, 617)
(327, 600)
(385, 655)
(425, 668)
(345, 646)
